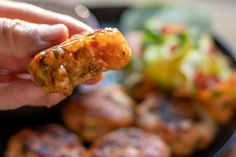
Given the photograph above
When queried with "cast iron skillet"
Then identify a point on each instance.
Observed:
(12, 121)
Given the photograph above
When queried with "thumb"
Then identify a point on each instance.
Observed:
(23, 39)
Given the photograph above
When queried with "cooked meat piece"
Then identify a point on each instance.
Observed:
(80, 58)
(130, 142)
(219, 100)
(138, 86)
(51, 141)
(176, 122)
(96, 112)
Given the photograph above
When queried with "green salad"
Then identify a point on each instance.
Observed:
(187, 59)
(178, 52)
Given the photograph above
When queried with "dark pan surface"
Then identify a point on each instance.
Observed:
(12, 121)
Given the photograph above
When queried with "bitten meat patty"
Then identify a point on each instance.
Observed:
(78, 59)
(51, 141)
(130, 142)
(93, 113)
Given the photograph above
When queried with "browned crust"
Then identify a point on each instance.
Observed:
(52, 140)
(94, 113)
(130, 142)
(182, 127)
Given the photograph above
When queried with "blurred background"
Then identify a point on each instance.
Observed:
(221, 13)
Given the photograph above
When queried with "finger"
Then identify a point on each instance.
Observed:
(7, 76)
(18, 94)
(35, 14)
(14, 64)
(96, 80)
(22, 39)
(49, 100)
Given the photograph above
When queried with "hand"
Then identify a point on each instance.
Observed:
(25, 30)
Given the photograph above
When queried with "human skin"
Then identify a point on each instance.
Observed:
(24, 31)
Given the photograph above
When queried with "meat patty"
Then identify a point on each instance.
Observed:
(130, 142)
(93, 113)
(178, 122)
(50, 141)
(78, 59)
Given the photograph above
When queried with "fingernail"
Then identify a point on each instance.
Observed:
(53, 33)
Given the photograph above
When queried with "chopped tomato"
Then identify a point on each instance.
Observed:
(203, 81)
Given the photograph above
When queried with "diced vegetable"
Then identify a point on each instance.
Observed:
(180, 59)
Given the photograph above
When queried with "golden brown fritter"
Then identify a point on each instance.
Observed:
(51, 141)
(130, 142)
(93, 113)
(178, 123)
(80, 58)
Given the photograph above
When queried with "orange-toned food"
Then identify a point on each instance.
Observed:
(94, 113)
(138, 86)
(178, 123)
(219, 101)
(50, 141)
(131, 142)
(78, 59)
